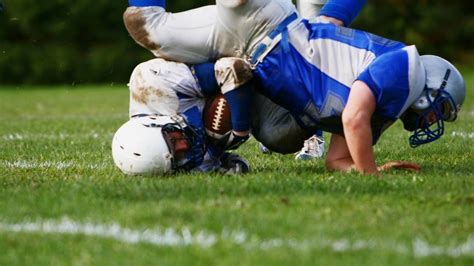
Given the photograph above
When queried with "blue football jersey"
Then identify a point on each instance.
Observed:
(311, 72)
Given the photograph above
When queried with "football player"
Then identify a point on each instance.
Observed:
(355, 85)
(165, 133)
(313, 148)
(231, 28)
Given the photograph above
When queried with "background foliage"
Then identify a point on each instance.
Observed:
(59, 41)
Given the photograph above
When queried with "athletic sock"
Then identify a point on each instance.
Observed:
(239, 101)
(206, 77)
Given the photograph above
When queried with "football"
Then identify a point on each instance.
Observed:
(216, 116)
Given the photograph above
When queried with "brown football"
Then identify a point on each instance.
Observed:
(216, 115)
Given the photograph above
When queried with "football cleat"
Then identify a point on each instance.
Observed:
(313, 149)
(263, 149)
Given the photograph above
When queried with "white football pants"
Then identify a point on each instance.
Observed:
(310, 8)
(231, 28)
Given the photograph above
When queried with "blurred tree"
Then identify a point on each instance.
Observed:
(83, 41)
(439, 27)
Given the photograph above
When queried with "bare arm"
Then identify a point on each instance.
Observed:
(354, 151)
(356, 120)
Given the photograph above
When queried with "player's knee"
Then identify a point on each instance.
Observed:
(232, 72)
(140, 84)
(150, 88)
(135, 22)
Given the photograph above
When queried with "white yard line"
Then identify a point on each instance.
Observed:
(185, 237)
(48, 117)
(59, 165)
(464, 135)
(56, 136)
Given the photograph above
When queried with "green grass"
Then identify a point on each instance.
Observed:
(55, 164)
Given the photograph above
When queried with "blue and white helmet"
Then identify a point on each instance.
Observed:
(440, 101)
(156, 145)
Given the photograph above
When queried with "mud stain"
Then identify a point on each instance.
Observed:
(135, 22)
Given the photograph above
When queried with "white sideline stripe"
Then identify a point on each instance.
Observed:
(464, 135)
(61, 165)
(184, 237)
(59, 136)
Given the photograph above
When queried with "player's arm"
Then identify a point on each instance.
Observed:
(231, 76)
(358, 153)
(354, 150)
(234, 75)
(356, 120)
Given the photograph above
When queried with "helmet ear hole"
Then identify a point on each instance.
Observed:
(422, 103)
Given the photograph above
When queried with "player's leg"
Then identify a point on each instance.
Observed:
(243, 24)
(154, 86)
(310, 8)
(183, 37)
(275, 127)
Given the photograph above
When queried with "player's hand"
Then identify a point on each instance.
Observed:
(332, 20)
(234, 164)
(231, 141)
(400, 166)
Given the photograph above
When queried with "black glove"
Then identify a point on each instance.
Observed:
(234, 164)
(230, 141)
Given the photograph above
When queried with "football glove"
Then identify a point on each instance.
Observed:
(230, 141)
(234, 164)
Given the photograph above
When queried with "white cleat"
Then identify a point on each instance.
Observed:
(264, 149)
(313, 149)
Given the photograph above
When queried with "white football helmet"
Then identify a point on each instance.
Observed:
(155, 145)
(440, 101)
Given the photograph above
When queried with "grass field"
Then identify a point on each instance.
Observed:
(63, 202)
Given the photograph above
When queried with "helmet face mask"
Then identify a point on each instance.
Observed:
(428, 125)
(185, 145)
